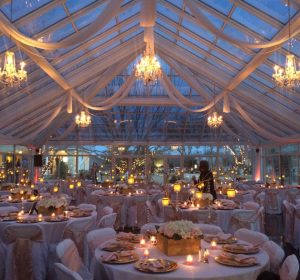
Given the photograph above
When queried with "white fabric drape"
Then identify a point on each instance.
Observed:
(112, 9)
(203, 20)
(148, 13)
(295, 138)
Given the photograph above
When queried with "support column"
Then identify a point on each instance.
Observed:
(14, 163)
(258, 159)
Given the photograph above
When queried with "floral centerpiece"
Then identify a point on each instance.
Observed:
(19, 192)
(203, 200)
(7, 186)
(179, 238)
(49, 205)
(125, 189)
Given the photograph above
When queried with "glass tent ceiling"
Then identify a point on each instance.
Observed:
(148, 115)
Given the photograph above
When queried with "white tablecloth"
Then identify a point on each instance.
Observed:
(212, 270)
(53, 231)
(122, 204)
(222, 220)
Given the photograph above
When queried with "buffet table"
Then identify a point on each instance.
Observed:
(211, 270)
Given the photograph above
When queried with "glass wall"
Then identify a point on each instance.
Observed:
(281, 164)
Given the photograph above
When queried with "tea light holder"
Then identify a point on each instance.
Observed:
(189, 260)
(142, 242)
(213, 244)
(66, 213)
(146, 253)
(40, 217)
(53, 216)
(165, 201)
(10, 198)
(153, 240)
(205, 256)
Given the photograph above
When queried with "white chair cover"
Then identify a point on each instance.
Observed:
(96, 238)
(209, 229)
(251, 205)
(80, 195)
(296, 238)
(253, 237)
(160, 208)
(64, 273)
(26, 252)
(288, 221)
(260, 198)
(2, 260)
(289, 269)
(68, 254)
(77, 231)
(107, 221)
(87, 207)
(152, 213)
(273, 201)
(107, 210)
(4, 210)
(276, 255)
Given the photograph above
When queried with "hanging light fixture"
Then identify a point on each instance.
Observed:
(83, 119)
(214, 120)
(288, 77)
(9, 75)
(148, 69)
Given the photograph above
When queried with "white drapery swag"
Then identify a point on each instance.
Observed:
(203, 21)
(112, 9)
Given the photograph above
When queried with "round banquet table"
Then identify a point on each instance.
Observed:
(122, 205)
(26, 204)
(52, 231)
(223, 217)
(199, 271)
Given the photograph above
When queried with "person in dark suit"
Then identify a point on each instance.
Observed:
(207, 179)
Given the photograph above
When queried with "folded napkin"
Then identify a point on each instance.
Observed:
(154, 265)
(239, 258)
(245, 247)
(227, 202)
(219, 236)
(116, 256)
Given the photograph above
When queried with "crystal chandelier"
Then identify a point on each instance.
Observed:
(148, 69)
(214, 120)
(83, 119)
(288, 77)
(9, 75)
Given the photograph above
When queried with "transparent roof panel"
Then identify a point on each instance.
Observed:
(254, 23)
(223, 6)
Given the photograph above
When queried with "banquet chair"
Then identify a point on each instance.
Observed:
(77, 230)
(273, 201)
(253, 237)
(96, 238)
(107, 221)
(275, 253)
(292, 195)
(80, 195)
(242, 218)
(4, 210)
(260, 198)
(296, 223)
(204, 217)
(107, 210)
(87, 207)
(68, 255)
(26, 254)
(288, 221)
(289, 269)
(251, 205)
(64, 273)
(160, 208)
(209, 229)
(152, 213)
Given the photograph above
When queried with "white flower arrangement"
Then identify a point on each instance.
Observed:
(54, 202)
(180, 230)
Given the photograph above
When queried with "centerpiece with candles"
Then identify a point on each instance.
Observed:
(203, 199)
(48, 206)
(19, 192)
(179, 238)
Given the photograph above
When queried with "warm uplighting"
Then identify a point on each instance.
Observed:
(231, 193)
(121, 148)
(198, 195)
(177, 187)
(165, 201)
(148, 69)
(9, 75)
(83, 119)
(214, 120)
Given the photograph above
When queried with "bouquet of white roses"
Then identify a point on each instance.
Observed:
(180, 230)
(53, 202)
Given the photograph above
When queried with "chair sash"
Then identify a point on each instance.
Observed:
(22, 249)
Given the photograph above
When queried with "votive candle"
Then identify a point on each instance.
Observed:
(213, 244)
(146, 253)
(189, 259)
(153, 240)
(142, 242)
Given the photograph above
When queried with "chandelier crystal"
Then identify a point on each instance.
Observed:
(9, 75)
(83, 119)
(148, 69)
(288, 77)
(214, 120)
